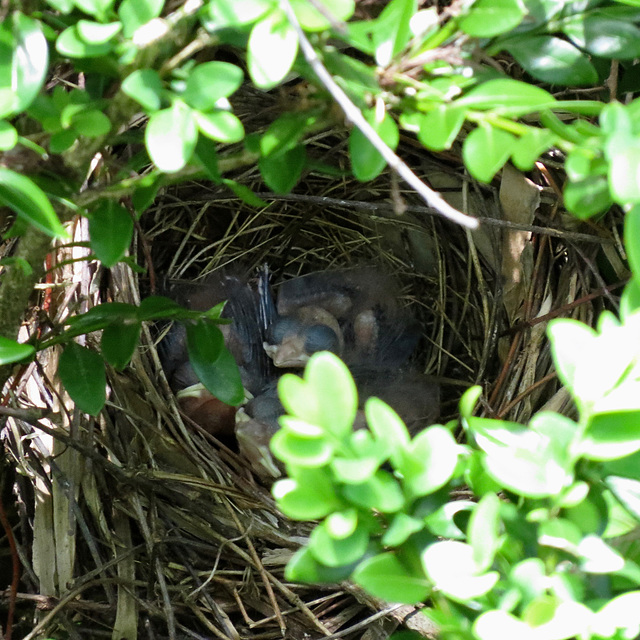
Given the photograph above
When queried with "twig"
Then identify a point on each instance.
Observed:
(354, 114)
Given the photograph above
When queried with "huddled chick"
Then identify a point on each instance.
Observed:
(352, 312)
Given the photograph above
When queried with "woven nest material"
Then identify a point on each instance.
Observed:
(140, 524)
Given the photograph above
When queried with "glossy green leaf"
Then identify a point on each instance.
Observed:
(366, 162)
(157, 307)
(92, 123)
(335, 390)
(381, 492)
(505, 92)
(233, 13)
(488, 18)
(71, 45)
(96, 8)
(271, 50)
(624, 169)
(384, 576)
(402, 526)
(440, 127)
(135, 13)
(553, 60)
(303, 450)
(313, 20)
(299, 398)
(469, 400)
(612, 435)
(8, 136)
(342, 524)
(213, 363)
(429, 461)
(83, 375)
(303, 567)
(12, 351)
(442, 521)
(144, 86)
(61, 141)
(210, 81)
(336, 552)
(222, 126)
(171, 137)
(485, 151)
(452, 568)
(387, 427)
(29, 202)
(627, 491)
(30, 61)
(602, 35)
(111, 230)
(97, 33)
(530, 147)
(118, 343)
(307, 497)
(588, 197)
(392, 32)
(484, 531)
(281, 172)
(284, 133)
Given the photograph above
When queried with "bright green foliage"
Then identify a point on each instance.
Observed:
(83, 374)
(111, 229)
(519, 563)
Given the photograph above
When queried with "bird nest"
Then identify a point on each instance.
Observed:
(141, 524)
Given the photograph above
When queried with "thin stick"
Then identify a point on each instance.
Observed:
(354, 114)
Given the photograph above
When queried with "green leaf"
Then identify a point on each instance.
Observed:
(233, 13)
(632, 241)
(381, 492)
(335, 391)
(92, 123)
(8, 136)
(284, 133)
(157, 307)
(96, 8)
(336, 552)
(391, 32)
(503, 94)
(530, 147)
(309, 450)
(271, 50)
(244, 193)
(171, 136)
(97, 33)
(612, 435)
(312, 20)
(29, 203)
(219, 125)
(299, 398)
(83, 375)
(624, 169)
(135, 13)
(366, 162)
(210, 81)
(440, 127)
(144, 86)
(111, 230)
(468, 401)
(604, 36)
(281, 172)
(587, 197)
(303, 567)
(488, 18)
(12, 351)
(401, 528)
(62, 141)
(307, 497)
(30, 61)
(71, 45)
(384, 576)
(485, 151)
(429, 461)
(452, 568)
(387, 427)
(118, 343)
(483, 531)
(213, 363)
(442, 521)
(553, 60)
(361, 462)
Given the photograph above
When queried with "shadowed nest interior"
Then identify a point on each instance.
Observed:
(140, 524)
